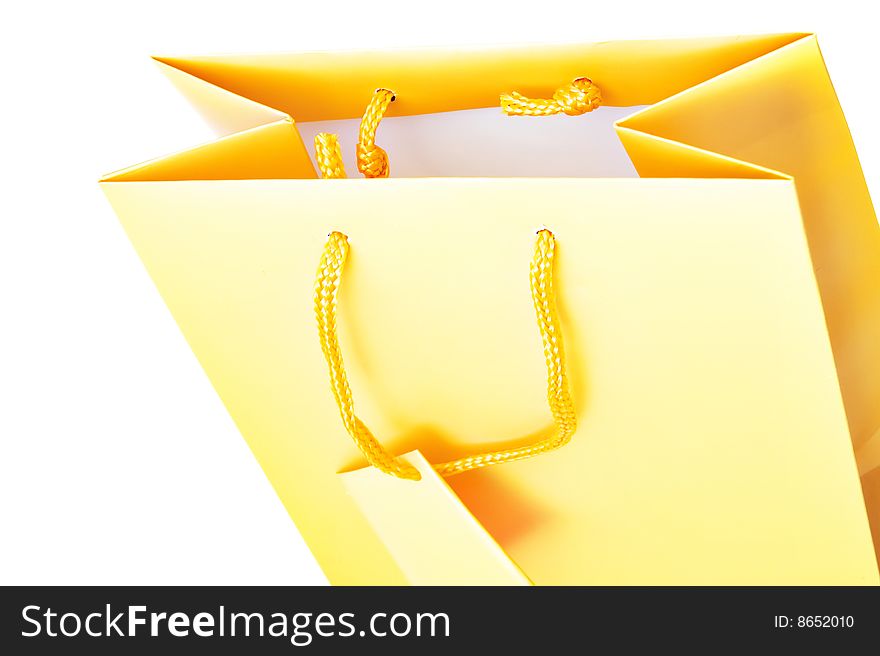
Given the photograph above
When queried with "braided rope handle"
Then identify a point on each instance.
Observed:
(326, 290)
(372, 160)
(328, 154)
(558, 396)
(579, 97)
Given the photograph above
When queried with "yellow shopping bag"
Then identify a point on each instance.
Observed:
(727, 405)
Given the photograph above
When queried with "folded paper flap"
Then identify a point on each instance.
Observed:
(734, 113)
(224, 110)
(431, 534)
(658, 157)
(254, 141)
(270, 151)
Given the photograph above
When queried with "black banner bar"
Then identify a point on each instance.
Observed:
(278, 620)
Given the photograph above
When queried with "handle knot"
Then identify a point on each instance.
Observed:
(579, 97)
(372, 160)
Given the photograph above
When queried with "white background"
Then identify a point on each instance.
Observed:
(118, 463)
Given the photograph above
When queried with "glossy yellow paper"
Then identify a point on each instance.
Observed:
(714, 445)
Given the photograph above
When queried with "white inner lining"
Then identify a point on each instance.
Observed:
(488, 143)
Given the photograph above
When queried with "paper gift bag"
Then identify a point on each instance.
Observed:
(720, 392)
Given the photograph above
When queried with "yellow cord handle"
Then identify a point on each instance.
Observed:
(372, 160)
(328, 154)
(579, 97)
(558, 396)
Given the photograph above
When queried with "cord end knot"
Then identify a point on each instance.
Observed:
(579, 97)
(372, 161)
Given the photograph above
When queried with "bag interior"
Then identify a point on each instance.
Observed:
(488, 143)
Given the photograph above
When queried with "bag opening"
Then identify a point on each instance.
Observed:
(488, 143)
